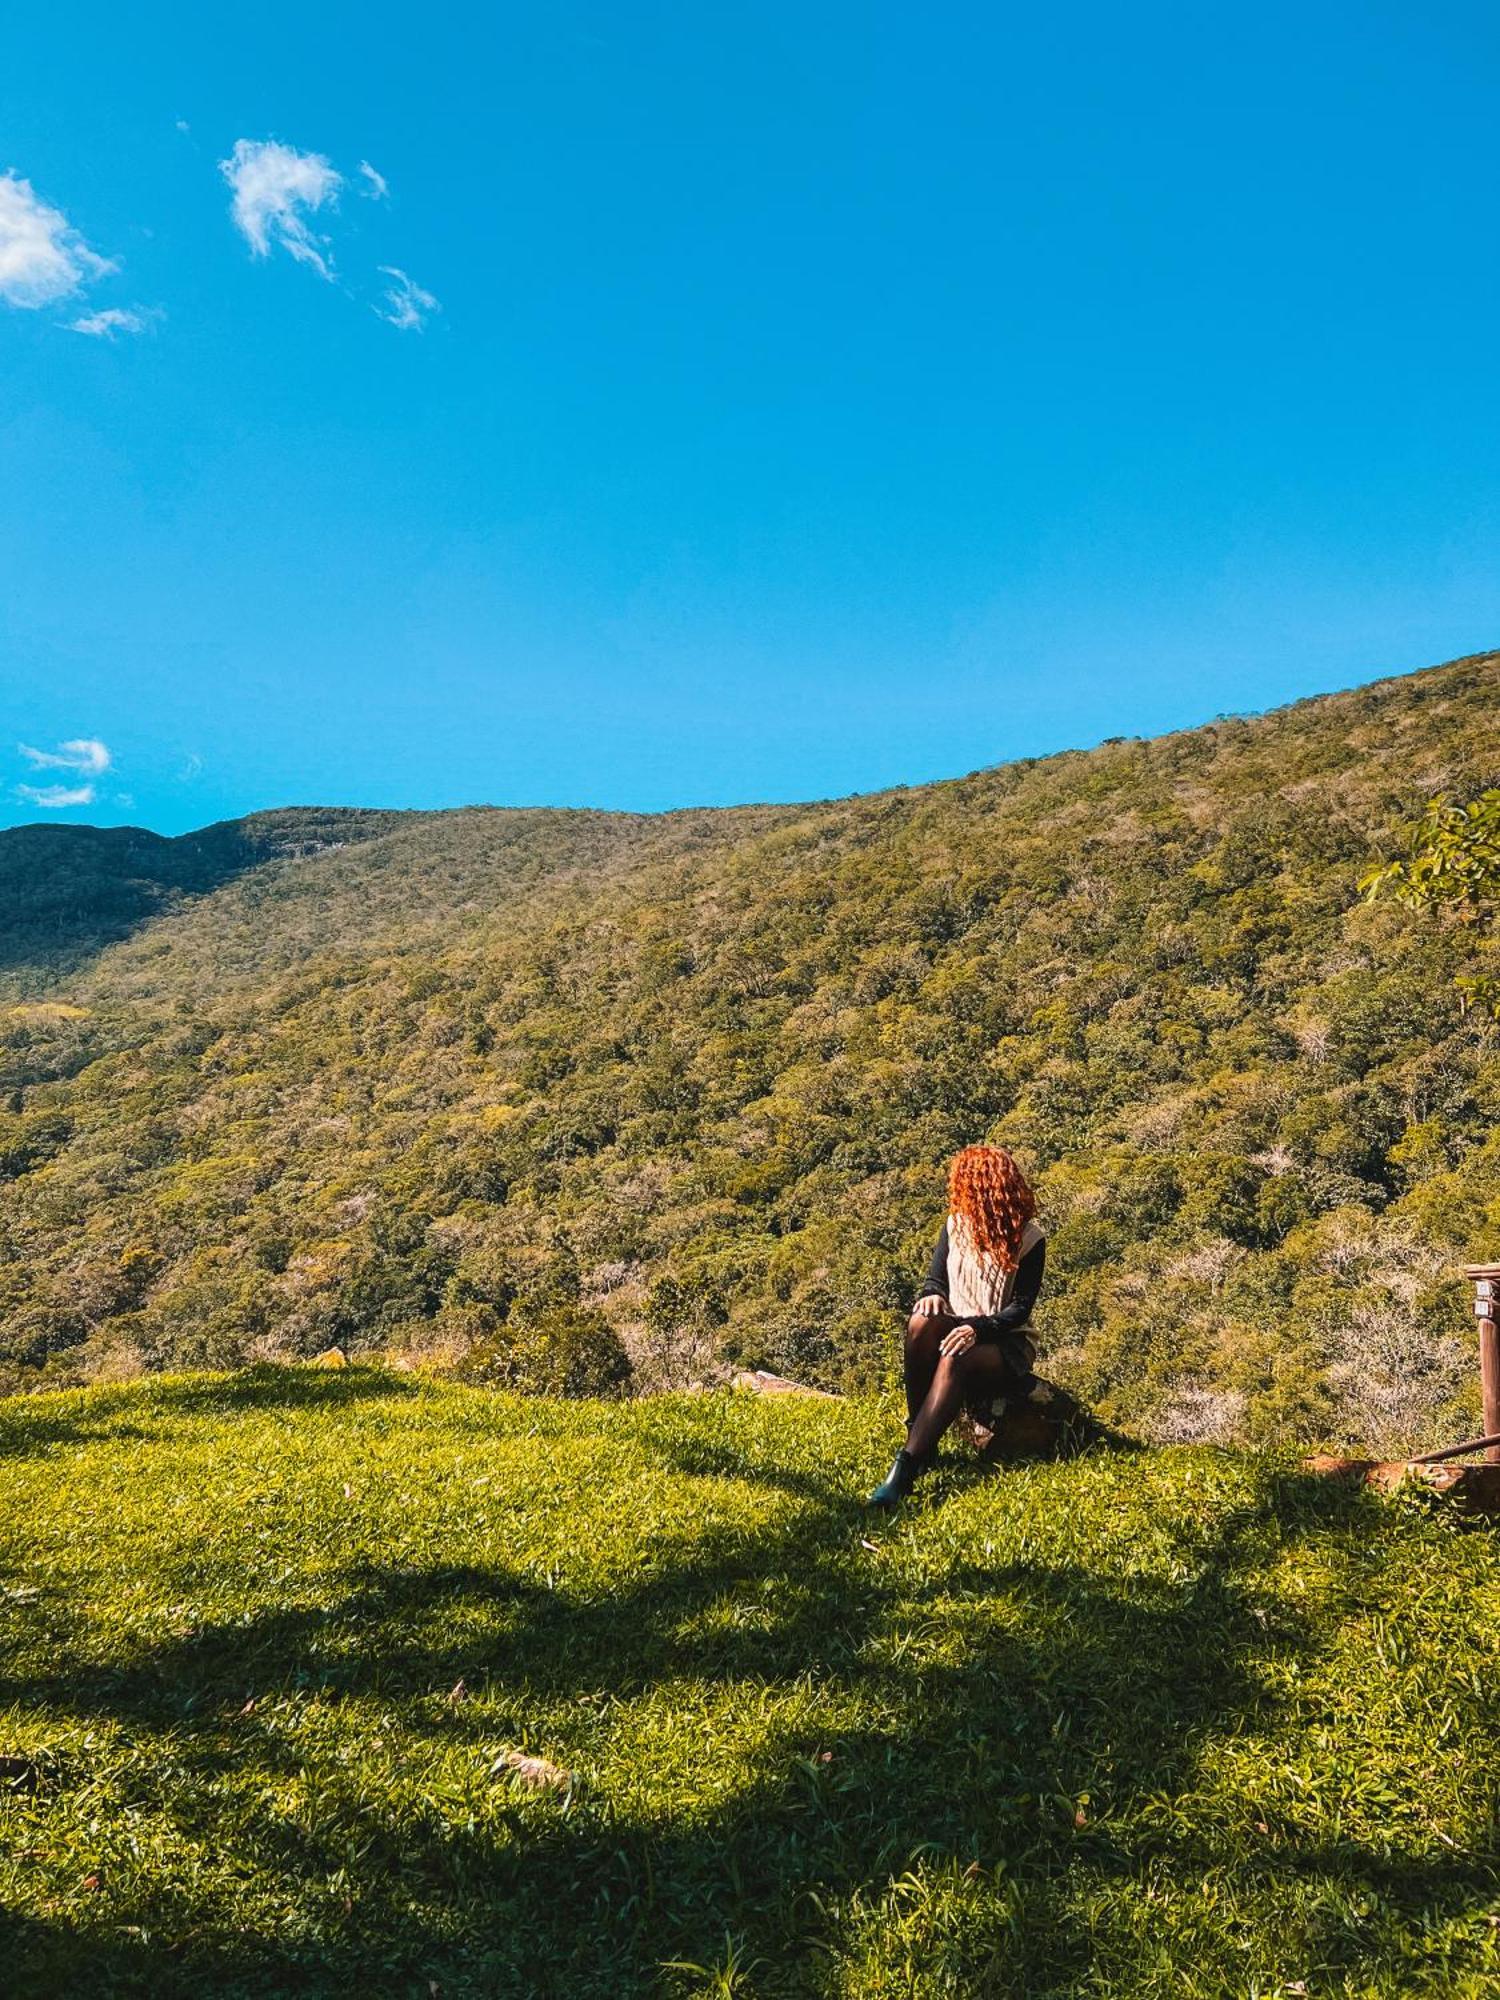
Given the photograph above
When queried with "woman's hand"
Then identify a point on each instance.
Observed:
(929, 1306)
(957, 1340)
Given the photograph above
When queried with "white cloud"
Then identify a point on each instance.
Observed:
(275, 191)
(57, 797)
(104, 325)
(404, 303)
(42, 257)
(275, 188)
(83, 754)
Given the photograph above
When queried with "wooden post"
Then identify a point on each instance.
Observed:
(1487, 1312)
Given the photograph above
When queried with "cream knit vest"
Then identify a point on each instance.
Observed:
(976, 1283)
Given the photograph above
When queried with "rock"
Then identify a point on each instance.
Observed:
(331, 1357)
(763, 1383)
(536, 1773)
(1473, 1489)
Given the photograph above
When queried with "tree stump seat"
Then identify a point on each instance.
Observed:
(1054, 1426)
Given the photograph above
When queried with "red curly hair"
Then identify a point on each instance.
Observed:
(988, 1189)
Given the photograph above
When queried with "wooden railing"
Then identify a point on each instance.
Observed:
(1487, 1312)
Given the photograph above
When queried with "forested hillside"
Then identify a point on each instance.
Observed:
(571, 1100)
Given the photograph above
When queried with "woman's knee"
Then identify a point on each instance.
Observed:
(976, 1362)
(955, 1367)
(922, 1329)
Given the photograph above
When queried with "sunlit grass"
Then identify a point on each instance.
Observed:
(1170, 1723)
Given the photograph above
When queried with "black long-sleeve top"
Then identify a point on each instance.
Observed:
(1023, 1297)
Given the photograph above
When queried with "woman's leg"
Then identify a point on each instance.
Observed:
(924, 1337)
(924, 1333)
(979, 1370)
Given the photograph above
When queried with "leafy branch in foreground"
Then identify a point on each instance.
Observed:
(1453, 857)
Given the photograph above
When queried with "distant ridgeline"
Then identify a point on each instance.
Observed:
(580, 1101)
(66, 891)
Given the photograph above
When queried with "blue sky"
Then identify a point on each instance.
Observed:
(774, 402)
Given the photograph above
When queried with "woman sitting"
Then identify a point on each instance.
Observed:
(967, 1340)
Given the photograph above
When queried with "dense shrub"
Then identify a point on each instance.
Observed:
(559, 1351)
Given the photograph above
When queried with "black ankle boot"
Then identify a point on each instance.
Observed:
(923, 1461)
(897, 1483)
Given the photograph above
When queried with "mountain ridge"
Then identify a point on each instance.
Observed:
(332, 812)
(520, 1087)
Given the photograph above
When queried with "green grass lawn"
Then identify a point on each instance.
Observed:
(1150, 1723)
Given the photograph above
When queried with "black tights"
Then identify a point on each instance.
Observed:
(938, 1385)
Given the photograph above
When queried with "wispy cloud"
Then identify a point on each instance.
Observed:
(83, 754)
(105, 324)
(275, 188)
(42, 256)
(404, 303)
(56, 798)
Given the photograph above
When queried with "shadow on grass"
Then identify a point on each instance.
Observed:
(1070, 1432)
(29, 1432)
(280, 1387)
(30, 1425)
(982, 1733)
